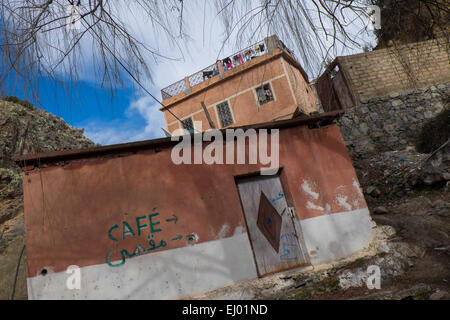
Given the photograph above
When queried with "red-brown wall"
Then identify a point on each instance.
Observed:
(70, 208)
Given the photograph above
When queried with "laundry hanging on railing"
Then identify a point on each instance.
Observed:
(210, 73)
(249, 54)
(237, 59)
(241, 60)
(243, 56)
(261, 47)
(227, 63)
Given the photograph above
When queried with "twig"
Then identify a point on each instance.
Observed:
(17, 273)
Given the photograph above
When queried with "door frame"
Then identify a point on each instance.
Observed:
(290, 203)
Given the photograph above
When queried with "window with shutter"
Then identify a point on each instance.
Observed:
(226, 119)
(264, 94)
(188, 125)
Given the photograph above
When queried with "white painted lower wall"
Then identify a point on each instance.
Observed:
(335, 236)
(160, 275)
(175, 273)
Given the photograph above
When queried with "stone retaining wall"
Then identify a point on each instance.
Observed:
(391, 122)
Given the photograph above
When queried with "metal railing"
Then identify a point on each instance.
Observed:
(203, 75)
(173, 89)
(228, 63)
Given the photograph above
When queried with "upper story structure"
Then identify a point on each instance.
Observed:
(259, 84)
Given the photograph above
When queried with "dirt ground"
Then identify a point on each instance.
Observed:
(414, 225)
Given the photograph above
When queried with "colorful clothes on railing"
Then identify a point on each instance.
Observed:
(237, 59)
(249, 54)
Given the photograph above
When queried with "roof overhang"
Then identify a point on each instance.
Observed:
(125, 149)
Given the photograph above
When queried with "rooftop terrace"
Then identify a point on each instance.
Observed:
(241, 57)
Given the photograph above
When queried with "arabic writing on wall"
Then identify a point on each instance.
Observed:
(151, 222)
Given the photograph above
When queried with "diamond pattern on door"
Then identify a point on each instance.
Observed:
(269, 222)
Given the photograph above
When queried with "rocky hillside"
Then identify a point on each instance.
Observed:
(24, 129)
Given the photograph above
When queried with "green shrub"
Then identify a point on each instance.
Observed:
(11, 99)
(434, 133)
(25, 103)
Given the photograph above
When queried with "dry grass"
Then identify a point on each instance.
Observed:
(8, 265)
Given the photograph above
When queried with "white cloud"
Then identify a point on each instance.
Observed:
(106, 133)
(149, 110)
(125, 129)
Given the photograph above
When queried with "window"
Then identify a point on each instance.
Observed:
(264, 94)
(188, 125)
(223, 109)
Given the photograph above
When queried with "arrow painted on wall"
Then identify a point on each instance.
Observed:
(178, 237)
(175, 219)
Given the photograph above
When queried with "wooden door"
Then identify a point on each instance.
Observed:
(273, 236)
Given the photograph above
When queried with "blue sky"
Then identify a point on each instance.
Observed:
(131, 115)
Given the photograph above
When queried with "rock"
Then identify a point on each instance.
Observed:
(385, 232)
(395, 259)
(440, 295)
(394, 95)
(364, 110)
(383, 247)
(417, 292)
(373, 191)
(442, 208)
(440, 204)
(428, 115)
(435, 169)
(364, 128)
(444, 212)
(352, 278)
(380, 210)
(397, 102)
(392, 139)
